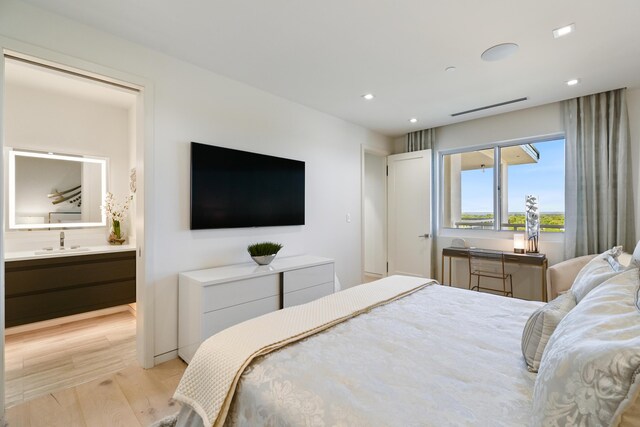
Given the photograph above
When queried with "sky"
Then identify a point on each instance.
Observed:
(544, 179)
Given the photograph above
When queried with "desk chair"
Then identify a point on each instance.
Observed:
(478, 260)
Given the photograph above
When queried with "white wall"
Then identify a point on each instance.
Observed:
(132, 165)
(542, 120)
(192, 104)
(44, 120)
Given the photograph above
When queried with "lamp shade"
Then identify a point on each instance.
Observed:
(518, 243)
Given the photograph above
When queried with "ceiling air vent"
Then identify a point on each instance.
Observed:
(486, 107)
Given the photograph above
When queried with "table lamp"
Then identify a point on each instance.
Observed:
(518, 243)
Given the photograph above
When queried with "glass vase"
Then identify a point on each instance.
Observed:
(115, 236)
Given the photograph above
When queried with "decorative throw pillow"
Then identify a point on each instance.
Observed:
(595, 272)
(541, 325)
(590, 370)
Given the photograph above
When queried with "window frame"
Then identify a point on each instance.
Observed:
(497, 191)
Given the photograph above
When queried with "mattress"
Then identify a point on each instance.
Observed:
(439, 357)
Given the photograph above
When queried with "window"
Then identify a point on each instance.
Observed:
(478, 194)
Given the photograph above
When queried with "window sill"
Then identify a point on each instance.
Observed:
(494, 234)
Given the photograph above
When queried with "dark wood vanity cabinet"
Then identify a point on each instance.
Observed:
(46, 288)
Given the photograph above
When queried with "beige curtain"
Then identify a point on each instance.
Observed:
(598, 189)
(420, 140)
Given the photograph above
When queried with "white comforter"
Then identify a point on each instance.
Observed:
(439, 357)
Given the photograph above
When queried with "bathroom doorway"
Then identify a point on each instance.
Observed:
(374, 214)
(74, 278)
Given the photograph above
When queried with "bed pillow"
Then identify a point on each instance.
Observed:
(541, 325)
(635, 258)
(616, 265)
(598, 270)
(590, 370)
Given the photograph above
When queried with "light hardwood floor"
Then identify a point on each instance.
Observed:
(132, 397)
(85, 374)
(63, 356)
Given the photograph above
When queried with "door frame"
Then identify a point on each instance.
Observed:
(145, 219)
(364, 149)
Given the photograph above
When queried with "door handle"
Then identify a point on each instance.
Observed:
(426, 235)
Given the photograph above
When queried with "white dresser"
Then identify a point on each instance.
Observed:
(213, 299)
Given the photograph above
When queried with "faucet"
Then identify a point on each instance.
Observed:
(62, 240)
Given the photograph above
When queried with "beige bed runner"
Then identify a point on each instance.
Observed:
(210, 381)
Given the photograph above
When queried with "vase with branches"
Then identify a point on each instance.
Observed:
(116, 213)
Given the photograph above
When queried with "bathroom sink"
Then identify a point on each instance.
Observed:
(60, 251)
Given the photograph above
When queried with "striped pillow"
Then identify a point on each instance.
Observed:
(541, 325)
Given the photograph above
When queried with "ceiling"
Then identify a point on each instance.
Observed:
(326, 54)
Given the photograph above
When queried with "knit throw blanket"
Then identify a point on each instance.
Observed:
(210, 380)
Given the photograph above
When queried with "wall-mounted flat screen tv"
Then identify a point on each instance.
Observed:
(233, 188)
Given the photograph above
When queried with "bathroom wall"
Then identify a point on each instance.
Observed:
(50, 120)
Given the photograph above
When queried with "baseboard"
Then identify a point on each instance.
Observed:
(370, 277)
(66, 319)
(378, 275)
(165, 357)
(133, 309)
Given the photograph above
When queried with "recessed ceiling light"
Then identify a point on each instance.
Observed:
(573, 82)
(563, 31)
(368, 96)
(499, 52)
(450, 69)
(413, 120)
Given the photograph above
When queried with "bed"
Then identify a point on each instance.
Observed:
(431, 355)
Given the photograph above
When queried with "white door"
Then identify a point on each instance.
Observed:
(409, 215)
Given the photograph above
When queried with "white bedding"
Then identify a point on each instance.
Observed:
(439, 357)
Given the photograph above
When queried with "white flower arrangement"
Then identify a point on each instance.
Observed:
(116, 211)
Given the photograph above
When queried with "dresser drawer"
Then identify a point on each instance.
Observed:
(214, 299)
(215, 321)
(302, 278)
(240, 291)
(307, 295)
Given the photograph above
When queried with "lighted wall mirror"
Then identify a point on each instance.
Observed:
(49, 190)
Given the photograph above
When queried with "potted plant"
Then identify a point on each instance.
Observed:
(116, 213)
(263, 253)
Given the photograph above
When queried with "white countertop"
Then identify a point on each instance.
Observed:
(226, 273)
(91, 250)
